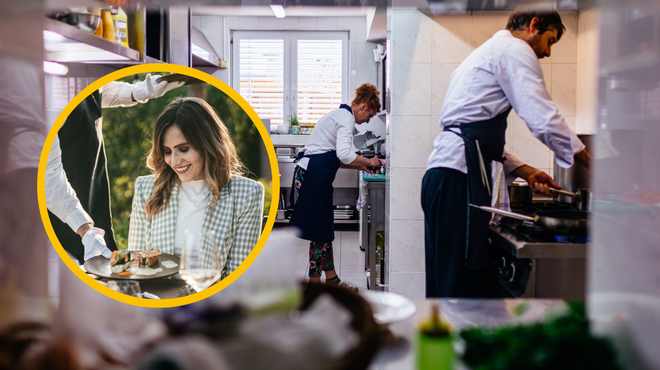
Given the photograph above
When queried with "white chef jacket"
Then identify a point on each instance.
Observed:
(61, 199)
(334, 131)
(502, 72)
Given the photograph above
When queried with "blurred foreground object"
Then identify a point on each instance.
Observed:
(563, 341)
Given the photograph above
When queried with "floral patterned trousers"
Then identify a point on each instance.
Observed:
(320, 258)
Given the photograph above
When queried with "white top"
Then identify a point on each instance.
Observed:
(334, 131)
(502, 72)
(61, 199)
(193, 200)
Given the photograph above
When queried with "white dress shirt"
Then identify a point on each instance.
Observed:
(502, 72)
(334, 131)
(61, 199)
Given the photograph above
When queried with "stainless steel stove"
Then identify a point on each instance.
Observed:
(529, 261)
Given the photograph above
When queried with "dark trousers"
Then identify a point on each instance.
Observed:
(444, 200)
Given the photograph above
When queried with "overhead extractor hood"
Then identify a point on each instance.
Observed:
(203, 53)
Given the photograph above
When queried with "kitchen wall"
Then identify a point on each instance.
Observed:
(425, 51)
(362, 68)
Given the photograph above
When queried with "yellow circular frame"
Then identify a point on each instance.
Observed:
(158, 68)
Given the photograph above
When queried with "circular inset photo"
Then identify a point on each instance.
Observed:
(155, 185)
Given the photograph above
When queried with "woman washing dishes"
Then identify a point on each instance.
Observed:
(328, 149)
(196, 186)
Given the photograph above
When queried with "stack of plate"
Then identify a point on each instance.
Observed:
(344, 212)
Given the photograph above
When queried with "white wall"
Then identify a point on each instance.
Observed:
(362, 67)
(425, 51)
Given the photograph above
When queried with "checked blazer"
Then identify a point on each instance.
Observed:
(236, 221)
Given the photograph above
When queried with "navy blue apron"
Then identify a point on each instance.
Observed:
(491, 137)
(313, 212)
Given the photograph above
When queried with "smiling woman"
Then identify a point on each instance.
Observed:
(196, 186)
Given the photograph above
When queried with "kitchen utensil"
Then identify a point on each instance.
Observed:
(85, 21)
(582, 199)
(485, 177)
(520, 195)
(574, 177)
(558, 221)
(100, 266)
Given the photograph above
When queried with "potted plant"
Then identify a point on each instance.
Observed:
(293, 122)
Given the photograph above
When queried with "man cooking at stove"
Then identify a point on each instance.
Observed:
(501, 74)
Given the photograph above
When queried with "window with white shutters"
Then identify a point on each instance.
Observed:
(284, 73)
(261, 76)
(319, 78)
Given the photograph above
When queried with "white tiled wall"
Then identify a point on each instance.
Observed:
(425, 51)
(587, 72)
(362, 68)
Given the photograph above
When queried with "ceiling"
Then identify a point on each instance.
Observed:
(291, 11)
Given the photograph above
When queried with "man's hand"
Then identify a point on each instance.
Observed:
(583, 158)
(149, 88)
(538, 180)
(95, 244)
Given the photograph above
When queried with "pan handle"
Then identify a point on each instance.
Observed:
(569, 193)
(504, 213)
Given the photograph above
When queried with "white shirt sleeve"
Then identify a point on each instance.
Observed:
(345, 129)
(117, 94)
(510, 164)
(533, 103)
(61, 199)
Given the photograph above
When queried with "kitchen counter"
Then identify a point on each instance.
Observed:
(294, 140)
(461, 314)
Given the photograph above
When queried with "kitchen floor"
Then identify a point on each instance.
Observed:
(349, 259)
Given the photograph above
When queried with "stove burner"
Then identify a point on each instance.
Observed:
(571, 239)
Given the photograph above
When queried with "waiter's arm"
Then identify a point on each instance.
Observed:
(61, 199)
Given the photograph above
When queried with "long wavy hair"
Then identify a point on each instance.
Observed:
(206, 133)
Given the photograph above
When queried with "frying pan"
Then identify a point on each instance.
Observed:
(559, 221)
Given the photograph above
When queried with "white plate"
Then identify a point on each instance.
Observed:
(389, 307)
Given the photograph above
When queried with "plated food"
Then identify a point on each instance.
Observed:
(147, 264)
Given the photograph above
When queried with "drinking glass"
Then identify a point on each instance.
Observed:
(127, 287)
(200, 261)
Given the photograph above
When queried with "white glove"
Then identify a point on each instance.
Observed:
(149, 88)
(95, 244)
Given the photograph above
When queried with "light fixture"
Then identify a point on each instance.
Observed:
(53, 68)
(278, 8)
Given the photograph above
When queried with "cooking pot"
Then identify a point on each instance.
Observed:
(582, 198)
(520, 194)
(574, 177)
(559, 221)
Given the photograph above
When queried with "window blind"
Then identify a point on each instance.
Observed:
(261, 78)
(319, 78)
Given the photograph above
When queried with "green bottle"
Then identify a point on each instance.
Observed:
(434, 343)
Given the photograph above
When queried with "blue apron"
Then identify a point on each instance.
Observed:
(491, 137)
(313, 212)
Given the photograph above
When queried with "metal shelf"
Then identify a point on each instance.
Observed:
(336, 221)
(78, 46)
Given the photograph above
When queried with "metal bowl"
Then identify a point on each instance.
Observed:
(85, 21)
